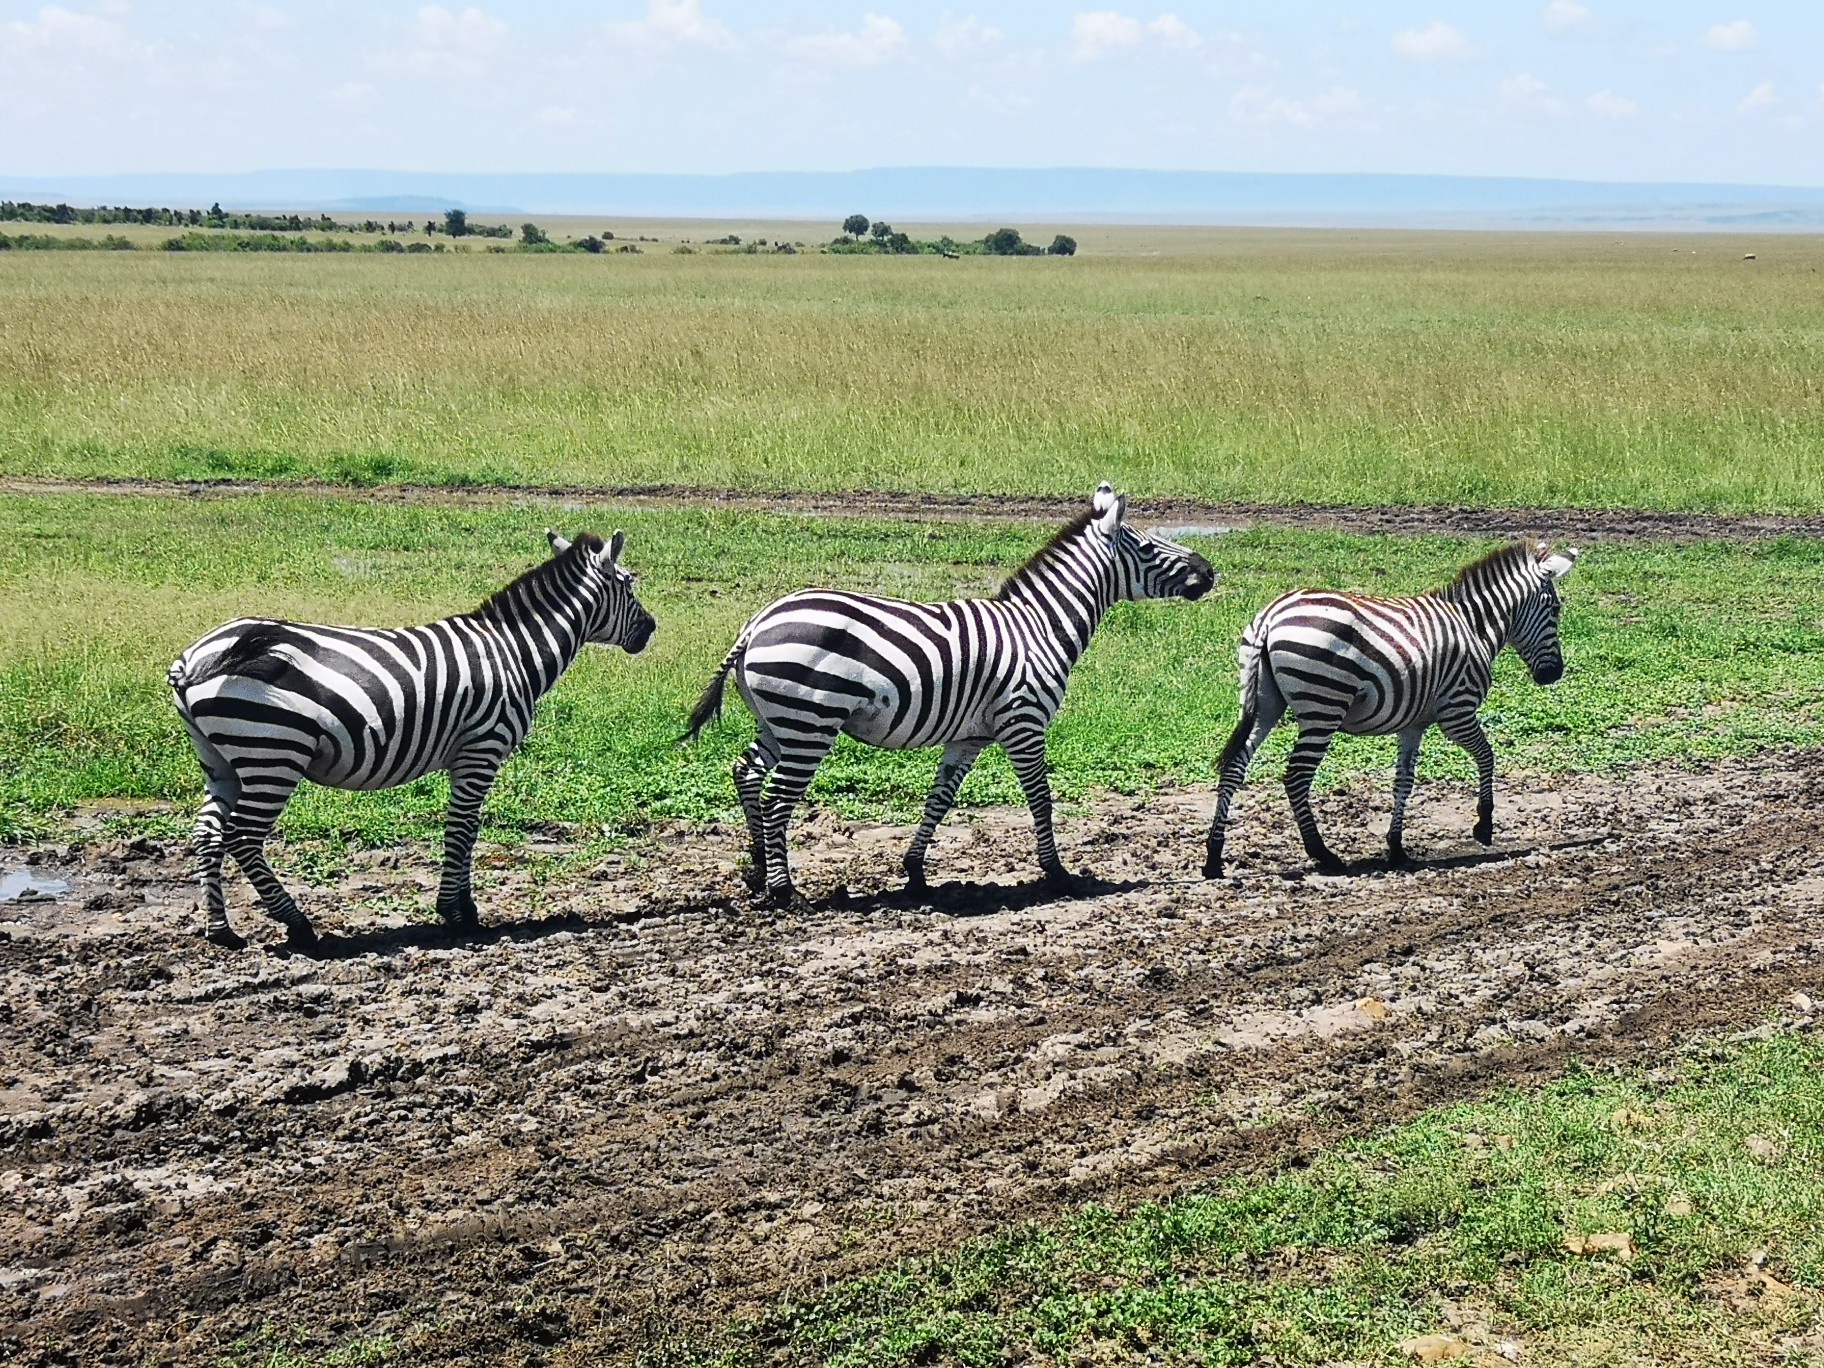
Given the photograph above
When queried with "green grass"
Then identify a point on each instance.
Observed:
(1680, 653)
(1459, 1217)
(1555, 369)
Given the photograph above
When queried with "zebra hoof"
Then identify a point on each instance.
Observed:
(226, 939)
(1330, 865)
(787, 899)
(1061, 880)
(301, 940)
(1484, 832)
(1212, 867)
(915, 881)
(1397, 858)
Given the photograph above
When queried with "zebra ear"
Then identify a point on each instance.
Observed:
(1109, 520)
(1557, 567)
(1103, 499)
(559, 545)
(615, 544)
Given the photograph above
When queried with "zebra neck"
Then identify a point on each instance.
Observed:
(1069, 594)
(1490, 609)
(543, 629)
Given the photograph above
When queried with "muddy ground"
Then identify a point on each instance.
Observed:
(1582, 525)
(635, 1107)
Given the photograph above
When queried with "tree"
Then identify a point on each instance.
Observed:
(456, 222)
(855, 225)
(1003, 242)
(1063, 245)
(881, 231)
(532, 235)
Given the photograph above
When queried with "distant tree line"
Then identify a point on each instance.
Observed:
(24, 211)
(861, 236)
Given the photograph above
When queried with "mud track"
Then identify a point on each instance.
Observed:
(635, 1107)
(1581, 525)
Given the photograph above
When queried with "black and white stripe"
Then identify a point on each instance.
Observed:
(1390, 666)
(271, 703)
(964, 675)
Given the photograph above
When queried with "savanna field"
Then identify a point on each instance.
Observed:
(1559, 1103)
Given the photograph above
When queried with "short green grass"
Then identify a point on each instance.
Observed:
(1674, 652)
(1642, 371)
(1454, 1223)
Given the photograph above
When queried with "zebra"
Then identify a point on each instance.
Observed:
(268, 703)
(1380, 666)
(965, 674)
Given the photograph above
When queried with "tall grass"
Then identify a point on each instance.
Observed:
(1700, 650)
(1648, 371)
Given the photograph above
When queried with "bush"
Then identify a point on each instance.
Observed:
(591, 244)
(1063, 245)
(456, 222)
(531, 234)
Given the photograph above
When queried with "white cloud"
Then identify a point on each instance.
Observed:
(1174, 32)
(958, 39)
(879, 40)
(1528, 92)
(1437, 41)
(1095, 33)
(445, 43)
(1565, 16)
(1758, 98)
(674, 23)
(58, 30)
(1736, 37)
(1607, 104)
(1260, 105)
(1100, 31)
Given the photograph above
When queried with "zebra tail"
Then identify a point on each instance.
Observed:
(1247, 655)
(709, 706)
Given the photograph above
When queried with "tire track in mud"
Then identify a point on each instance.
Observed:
(604, 1131)
(1586, 525)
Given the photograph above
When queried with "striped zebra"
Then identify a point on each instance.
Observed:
(1390, 666)
(270, 703)
(964, 675)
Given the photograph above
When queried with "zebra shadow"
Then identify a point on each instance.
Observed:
(1468, 859)
(957, 898)
(391, 940)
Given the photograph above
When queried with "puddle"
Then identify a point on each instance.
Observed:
(21, 886)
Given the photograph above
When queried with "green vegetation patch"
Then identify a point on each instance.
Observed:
(1324, 368)
(1674, 653)
(1663, 1218)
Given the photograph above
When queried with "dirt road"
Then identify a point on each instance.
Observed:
(635, 1106)
(1587, 526)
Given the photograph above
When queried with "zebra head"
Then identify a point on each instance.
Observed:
(615, 616)
(1533, 629)
(1147, 566)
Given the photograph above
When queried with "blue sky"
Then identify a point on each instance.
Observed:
(1712, 90)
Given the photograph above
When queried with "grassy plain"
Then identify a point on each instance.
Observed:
(1290, 366)
(1674, 652)
(1454, 1225)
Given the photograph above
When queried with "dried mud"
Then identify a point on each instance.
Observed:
(635, 1106)
(1583, 525)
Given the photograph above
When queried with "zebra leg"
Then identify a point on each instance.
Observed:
(750, 772)
(959, 757)
(1466, 731)
(248, 827)
(1301, 769)
(1403, 774)
(1026, 750)
(785, 787)
(1247, 737)
(471, 776)
(206, 846)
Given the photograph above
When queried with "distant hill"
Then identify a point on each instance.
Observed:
(980, 193)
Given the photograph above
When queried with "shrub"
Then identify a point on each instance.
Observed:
(1063, 245)
(531, 234)
(456, 222)
(1007, 242)
(880, 231)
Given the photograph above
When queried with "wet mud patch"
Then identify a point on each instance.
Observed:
(634, 1105)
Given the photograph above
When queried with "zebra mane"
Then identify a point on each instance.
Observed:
(504, 602)
(1500, 556)
(1040, 558)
